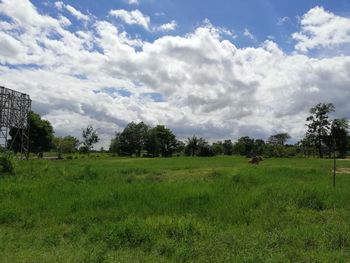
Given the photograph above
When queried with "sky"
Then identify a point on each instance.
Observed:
(215, 69)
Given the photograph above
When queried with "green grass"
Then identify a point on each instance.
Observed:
(174, 210)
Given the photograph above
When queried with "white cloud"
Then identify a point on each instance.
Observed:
(168, 26)
(248, 34)
(134, 17)
(76, 13)
(99, 75)
(218, 31)
(322, 29)
(59, 5)
(159, 14)
(132, 2)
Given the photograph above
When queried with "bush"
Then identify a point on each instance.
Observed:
(8, 163)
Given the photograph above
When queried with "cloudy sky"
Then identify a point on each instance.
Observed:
(218, 69)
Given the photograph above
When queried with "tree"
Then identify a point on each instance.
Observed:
(228, 147)
(218, 148)
(40, 135)
(114, 146)
(339, 135)
(160, 140)
(191, 146)
(67, 144)
(244, 146)
(259, 147)
(204, 149)
(180, 147)
(132, 139)
(90, 137)
(319, 125)
(279, 138)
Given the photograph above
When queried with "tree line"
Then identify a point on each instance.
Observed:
(323, 137)
(42, 139)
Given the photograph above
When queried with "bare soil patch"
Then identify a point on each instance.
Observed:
(343, 170)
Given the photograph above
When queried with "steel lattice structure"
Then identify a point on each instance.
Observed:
(14, 110)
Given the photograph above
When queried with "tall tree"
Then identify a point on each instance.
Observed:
(259, 147)
(191, 146)
(339, 135)
(204, 149)
(40, 135)
(218, 148)
(319, 125)
(160, 140)
(244, 146)
(228, 147)
(90, 137)
(132, 138)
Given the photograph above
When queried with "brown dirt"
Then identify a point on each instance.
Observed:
(343, 170)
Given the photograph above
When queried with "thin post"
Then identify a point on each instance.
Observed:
(334, 164)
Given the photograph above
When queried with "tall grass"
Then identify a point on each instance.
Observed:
(181, 209)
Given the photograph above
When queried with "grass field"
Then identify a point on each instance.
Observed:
(182, 209)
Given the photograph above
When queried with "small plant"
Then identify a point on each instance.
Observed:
(8, 163)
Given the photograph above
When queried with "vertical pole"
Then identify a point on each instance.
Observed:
(28, 128)
(334, 163)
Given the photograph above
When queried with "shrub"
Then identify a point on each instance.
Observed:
(8, 163)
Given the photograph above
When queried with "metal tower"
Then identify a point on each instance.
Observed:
(14, 110)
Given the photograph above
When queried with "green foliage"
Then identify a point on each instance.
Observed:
(217, 209)
(192, 146)
(67, 144)
(279, 138)
(249, 147)
(319, 125)
(90, 137)
(198, 147)
(8, 163)
(228, 147)
(340, 135)
(160, 140)
(131, 140)
(218, 148)
(138, 138)
(40, 134)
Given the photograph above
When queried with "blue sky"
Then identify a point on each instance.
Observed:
(215, 69)
(263, 18)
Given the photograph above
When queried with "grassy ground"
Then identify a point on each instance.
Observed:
(179, 210)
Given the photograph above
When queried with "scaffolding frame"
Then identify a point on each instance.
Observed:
(14, 111)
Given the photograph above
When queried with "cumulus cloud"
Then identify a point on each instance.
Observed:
(322, 29)
(100, 75)
(134, 17)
